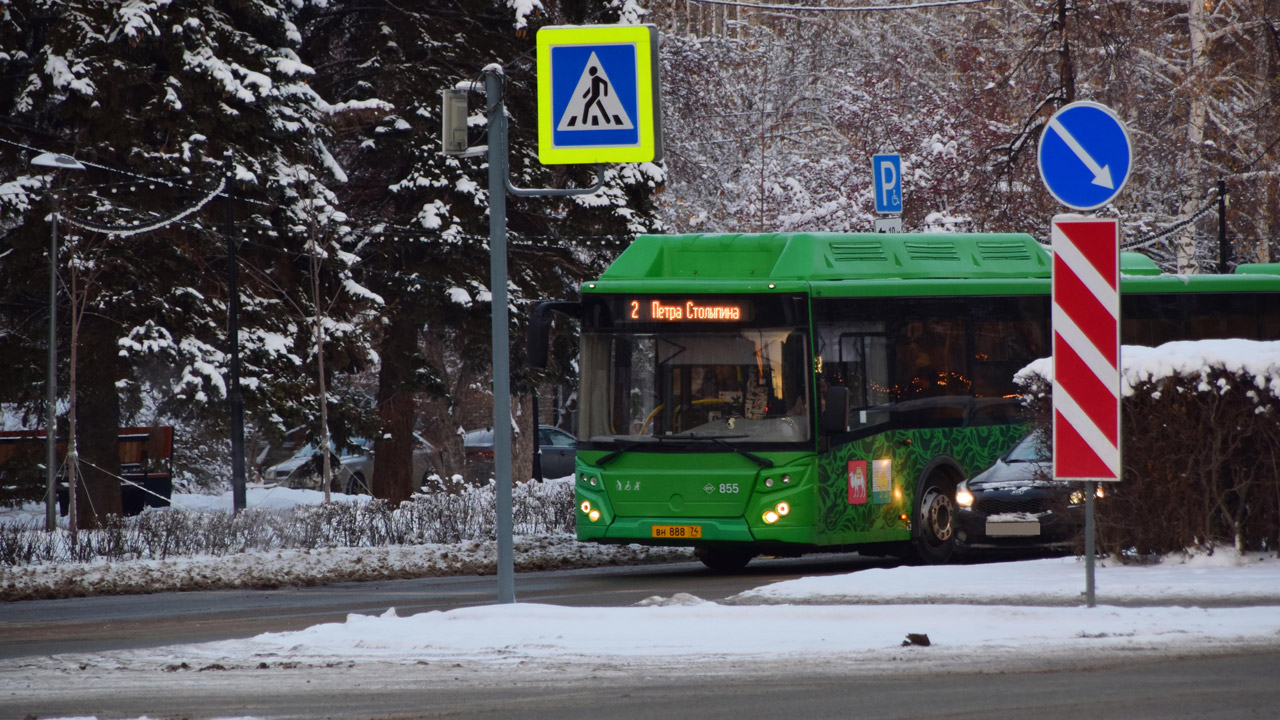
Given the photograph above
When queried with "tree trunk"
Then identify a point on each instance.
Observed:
(1196, 62)
(97, 429)
(522, 446)
(1066, 63)
(393, 479)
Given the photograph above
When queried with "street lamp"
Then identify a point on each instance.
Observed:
(55, 162)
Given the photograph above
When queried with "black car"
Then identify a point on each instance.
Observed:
(1015, 505)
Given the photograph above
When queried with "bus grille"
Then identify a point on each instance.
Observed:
(859, 252)
(934, 250)
(1004, 250)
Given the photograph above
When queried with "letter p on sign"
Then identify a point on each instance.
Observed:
(886, 171)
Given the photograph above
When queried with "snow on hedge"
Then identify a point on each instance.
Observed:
(1185, 358)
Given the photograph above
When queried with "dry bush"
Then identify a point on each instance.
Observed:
(439, 518)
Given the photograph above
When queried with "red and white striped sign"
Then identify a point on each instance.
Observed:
(1086, 348)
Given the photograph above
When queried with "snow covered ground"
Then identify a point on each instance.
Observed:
(999, 615)
(996, 609)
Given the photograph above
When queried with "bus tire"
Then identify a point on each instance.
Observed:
(724, 559)
(935, 542)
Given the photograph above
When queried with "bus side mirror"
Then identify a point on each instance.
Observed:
(540, 330)
(835, 410)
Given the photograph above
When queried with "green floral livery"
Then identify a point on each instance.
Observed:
(910, 452)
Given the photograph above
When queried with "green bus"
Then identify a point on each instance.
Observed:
(782, 394)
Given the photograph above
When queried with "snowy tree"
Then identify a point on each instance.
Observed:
(156, 97)
(773, 114)
(424, 232)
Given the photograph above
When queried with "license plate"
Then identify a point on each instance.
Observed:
(681, 532)
(1022, 528)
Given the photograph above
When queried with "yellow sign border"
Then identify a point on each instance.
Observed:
(641, 36)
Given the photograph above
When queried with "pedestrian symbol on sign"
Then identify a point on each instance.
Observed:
(593, 105)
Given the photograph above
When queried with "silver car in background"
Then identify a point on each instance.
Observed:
(352, 467)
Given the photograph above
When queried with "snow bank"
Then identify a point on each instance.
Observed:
(1185, 358)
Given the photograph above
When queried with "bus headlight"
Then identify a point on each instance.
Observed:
(586, 506)
(777, 512)
(964, 497)
(594, 515)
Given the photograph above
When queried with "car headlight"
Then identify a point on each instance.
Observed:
(1077, 497)
(964, 496)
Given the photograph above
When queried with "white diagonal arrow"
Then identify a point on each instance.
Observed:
(1101, 174)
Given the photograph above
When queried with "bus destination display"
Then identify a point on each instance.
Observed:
(687, 310)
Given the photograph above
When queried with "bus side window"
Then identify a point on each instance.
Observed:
(863, 367)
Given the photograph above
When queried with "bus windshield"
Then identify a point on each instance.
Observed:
(738, 384)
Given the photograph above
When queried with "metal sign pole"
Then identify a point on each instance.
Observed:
(499, 333)
(1090, 598)
(499, 186)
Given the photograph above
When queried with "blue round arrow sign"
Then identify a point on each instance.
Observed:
(1085, 155)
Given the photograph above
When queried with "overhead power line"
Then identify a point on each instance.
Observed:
(822, 8)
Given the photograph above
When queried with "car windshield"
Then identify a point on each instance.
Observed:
(748, 384)
(1031, 448)
(357, 446)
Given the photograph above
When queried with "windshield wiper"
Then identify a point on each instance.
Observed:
(763, 462)
(625, 447)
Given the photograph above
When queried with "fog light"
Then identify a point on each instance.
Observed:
(783, 508)
(594, 515)
(1077, 497)
(964, 498)
(770, 516)
(586, 506)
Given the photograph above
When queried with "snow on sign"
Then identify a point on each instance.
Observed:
(597, 94)
(1085, 155)
(1086, 348)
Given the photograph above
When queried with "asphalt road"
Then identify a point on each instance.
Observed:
(1210, 684)
(1220, 687)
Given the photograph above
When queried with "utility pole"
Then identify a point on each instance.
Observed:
(235, 399)
(1224, 250)
(54, 161)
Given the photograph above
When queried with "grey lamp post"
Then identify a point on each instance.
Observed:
(53, 161)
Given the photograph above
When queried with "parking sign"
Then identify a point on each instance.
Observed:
(886, 171)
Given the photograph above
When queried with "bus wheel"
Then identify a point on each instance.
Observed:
(936, 541)
(724, 558)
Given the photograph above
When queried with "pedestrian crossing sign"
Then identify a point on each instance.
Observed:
(598, 94)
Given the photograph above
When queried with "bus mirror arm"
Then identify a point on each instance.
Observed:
(835, 410)
(540, 329)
